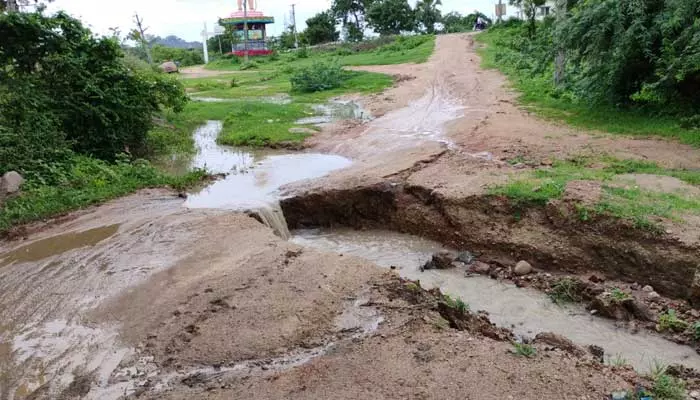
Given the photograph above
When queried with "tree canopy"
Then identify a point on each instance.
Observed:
(391, 17)
(428, 14)
(321, 29)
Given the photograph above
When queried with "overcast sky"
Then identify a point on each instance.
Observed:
(185, 18)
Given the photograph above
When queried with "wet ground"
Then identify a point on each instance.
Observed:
(145, 293)
(526, 311)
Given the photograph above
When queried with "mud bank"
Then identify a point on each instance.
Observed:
(551, 237)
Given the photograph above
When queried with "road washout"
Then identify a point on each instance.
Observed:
(205, 301)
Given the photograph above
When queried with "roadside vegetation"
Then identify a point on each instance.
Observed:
(620, 195)
(77, 119)
(623, 68)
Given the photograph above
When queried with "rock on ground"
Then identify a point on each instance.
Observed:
(11, 182)
(522, 268)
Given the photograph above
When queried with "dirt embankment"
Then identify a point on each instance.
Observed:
(404, 180)
(552, 237)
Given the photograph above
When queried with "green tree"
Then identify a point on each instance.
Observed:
(529, 8)
(352, 13)
(63, 88)
(428, 14)
(391, 16)
(455, 22)
(645, 51)
(321, 29)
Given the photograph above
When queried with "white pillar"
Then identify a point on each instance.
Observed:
(205, 38)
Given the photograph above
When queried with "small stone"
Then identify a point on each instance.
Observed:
(653, 295)
(522, 268)
(648, 288)
(634, 286)
(596, 279)
(440, 260)
(479, 267)
(594, 312)
(695, 394)
(519, 166)
(465, 257)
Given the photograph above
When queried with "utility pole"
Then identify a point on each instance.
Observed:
(294, 27)
(500, 11)
(245, 30)
(142, 32)
(205, 44)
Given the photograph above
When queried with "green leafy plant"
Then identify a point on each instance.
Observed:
(669, 321)
(619, 295)
(524, 350)
(696, 331)
(249, 65)
(317, 77)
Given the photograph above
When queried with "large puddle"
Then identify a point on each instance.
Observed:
(253, 176)
(526, 311)
(57, 244)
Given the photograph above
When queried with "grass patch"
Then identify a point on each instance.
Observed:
(667, 387)
(619, 295)
(632, 203)
(537, 91)
(669, 321)
(270, 83)
(86, 181)
(263, 124)
(618, 361)
(524, 350)
(394, 50)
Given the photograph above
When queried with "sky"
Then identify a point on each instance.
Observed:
(186, 18)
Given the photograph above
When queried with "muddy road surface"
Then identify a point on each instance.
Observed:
(152, 296)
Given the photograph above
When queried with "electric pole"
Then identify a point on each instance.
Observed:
(245, 30)
(294, 27)
(142, 33)
(500, 11)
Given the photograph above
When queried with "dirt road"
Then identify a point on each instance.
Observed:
(143, 297)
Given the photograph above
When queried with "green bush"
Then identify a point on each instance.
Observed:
(249, 65)
(73, 91)
(317, 77)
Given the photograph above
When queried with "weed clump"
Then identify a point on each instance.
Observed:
(565, 290)
(524, 350)
(456, 303)
(317, 77)
(667, 387)
(669, 321)
(619, 295)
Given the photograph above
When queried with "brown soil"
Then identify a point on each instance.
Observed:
(182, 304)
(408, 182)
(414, 354)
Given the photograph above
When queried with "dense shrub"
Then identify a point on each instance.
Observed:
(185, 57)
(63, 89)
(317, 77)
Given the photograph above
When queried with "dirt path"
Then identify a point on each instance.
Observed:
(142, 296)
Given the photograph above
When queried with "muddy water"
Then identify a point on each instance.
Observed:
(254, 176)
(526, 311)
(57, 244)
(336, 110)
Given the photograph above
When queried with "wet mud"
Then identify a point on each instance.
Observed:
(152, 297)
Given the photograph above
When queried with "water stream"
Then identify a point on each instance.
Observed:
(253, 176)
(526, 311)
